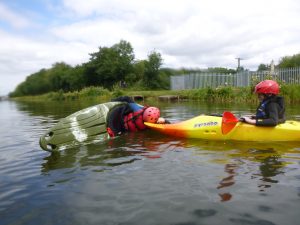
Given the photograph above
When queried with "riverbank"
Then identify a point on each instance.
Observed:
(291, 94)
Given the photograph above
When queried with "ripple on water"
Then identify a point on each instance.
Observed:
(144, 178)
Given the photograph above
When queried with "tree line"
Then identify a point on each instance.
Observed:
(108, 67)
(114, 67)
(284, 63)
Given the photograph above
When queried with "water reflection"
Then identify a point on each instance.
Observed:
(258, 163)
(142, 176)
(264, 162)
(227, 181)
(114, 152)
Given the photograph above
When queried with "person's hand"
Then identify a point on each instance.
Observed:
(247, 119)
(161, 120)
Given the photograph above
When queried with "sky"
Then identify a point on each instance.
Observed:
(35, 34)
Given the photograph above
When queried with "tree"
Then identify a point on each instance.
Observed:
(263, 67)
(34, 84)
(59, 76)
(290, 61)
(76, 78)
(152, 66)
(110, 65)
(221, 70)
(137, 73)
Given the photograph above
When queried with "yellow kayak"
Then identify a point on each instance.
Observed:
(215, 128)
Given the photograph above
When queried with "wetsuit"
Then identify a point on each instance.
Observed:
(270, 112)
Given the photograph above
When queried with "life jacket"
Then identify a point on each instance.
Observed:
(261, 110)
(134, 121)
(115, 125)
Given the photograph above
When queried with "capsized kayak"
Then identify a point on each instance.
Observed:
(210, 128)
(87, 125)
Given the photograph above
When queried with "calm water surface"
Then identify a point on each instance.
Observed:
(143, 178)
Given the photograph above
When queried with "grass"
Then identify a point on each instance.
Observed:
(220, 94)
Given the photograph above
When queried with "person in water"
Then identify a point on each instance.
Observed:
(271, 110)
(130, 117)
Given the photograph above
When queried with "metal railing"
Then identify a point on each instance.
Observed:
(240, 79)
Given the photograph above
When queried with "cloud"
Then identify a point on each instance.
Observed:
(188, 33)
(14, 19)
(21, 57)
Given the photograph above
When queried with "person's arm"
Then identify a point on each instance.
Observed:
(272, 120)
(248, 119)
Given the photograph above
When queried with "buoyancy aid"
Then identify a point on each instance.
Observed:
(134, 121)
(261, 112)
(115, 125)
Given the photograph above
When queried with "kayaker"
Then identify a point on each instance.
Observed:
(130, 117)
(271, 110)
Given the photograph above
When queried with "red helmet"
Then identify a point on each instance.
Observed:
(267, 87)
(151, 115)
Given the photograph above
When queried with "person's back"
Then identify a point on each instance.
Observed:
(271, 112)
(130, 117)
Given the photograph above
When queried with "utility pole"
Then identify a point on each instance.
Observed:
(239, 63)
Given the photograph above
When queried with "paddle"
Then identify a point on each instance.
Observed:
(228, 122)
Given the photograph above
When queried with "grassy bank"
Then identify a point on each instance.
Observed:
(220, 94)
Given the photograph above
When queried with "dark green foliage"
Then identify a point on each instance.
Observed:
(118, 93)
(137, 74)
(284, 62)
(290, 61)
(34, 84)
(110, 65)
(106, 68)
(210, 94)
(290, 92)
(93, 91)
(61, 77)
(263, 67)
(220, 70)
(224, 92)
(151, 74)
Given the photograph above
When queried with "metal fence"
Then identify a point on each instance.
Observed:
(240, 79)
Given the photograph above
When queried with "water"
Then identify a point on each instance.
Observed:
(145, 177)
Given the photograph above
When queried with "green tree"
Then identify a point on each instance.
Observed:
(289, 61)
(137, 74)
(263, 67)
(76, 78)
(110, 65)
(152, 66)
(59, 76)
(221, 70)
(34, 84)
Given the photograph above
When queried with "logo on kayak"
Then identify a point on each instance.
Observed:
(208, 124)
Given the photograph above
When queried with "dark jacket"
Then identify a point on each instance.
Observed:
(116, 117)
(270, 112)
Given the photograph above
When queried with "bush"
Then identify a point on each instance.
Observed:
(93, 92)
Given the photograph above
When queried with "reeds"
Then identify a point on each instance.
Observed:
(223, 94)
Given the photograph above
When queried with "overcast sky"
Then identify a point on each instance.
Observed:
(34, 34)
